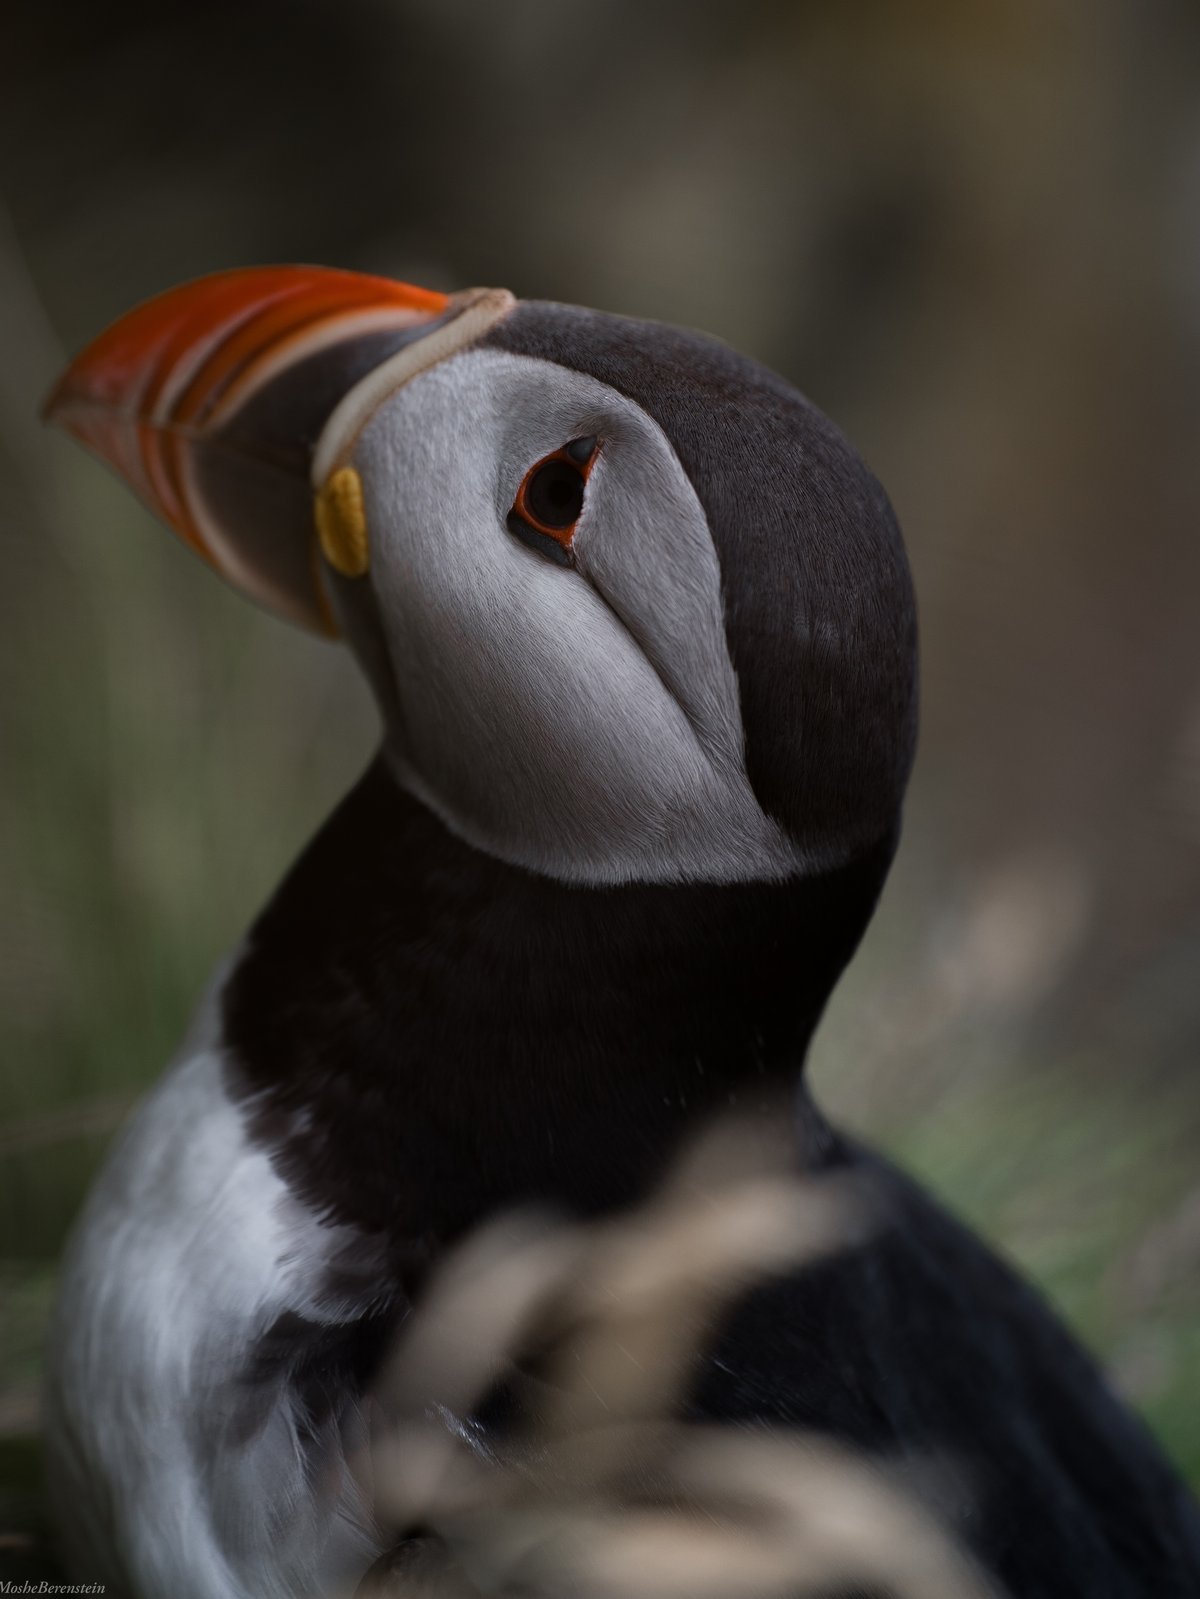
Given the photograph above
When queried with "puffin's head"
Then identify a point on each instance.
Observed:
(633, 609)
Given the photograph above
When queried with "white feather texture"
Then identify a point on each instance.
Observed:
(174, 1475)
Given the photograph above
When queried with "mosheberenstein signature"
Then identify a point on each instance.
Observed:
(44, 1585)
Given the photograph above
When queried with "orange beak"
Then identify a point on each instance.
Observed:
(209, 400)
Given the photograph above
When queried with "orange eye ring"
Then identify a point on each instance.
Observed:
(549, 501)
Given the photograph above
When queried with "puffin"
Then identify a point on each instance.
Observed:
(641, 631)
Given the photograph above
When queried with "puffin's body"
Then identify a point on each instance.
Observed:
(641, 631)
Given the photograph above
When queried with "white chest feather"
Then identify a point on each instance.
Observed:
(172, 1473)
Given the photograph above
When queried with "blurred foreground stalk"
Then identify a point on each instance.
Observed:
(602, 1490)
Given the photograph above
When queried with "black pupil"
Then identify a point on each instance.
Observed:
(555, 494)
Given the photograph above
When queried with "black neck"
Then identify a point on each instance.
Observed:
(429, 1034)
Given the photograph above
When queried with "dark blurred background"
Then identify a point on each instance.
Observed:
(970, 232)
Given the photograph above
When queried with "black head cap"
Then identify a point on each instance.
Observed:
(819, 609)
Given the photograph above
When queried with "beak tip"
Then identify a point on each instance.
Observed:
(53, 404)
(74, 412)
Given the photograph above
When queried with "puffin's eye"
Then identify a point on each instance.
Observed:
(550, 500)
(552, 495)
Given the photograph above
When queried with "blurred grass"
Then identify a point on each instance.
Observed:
(1079, 1189)
(1079, 1167)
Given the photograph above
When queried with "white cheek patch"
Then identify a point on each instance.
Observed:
(644, 544)
(582, 723)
